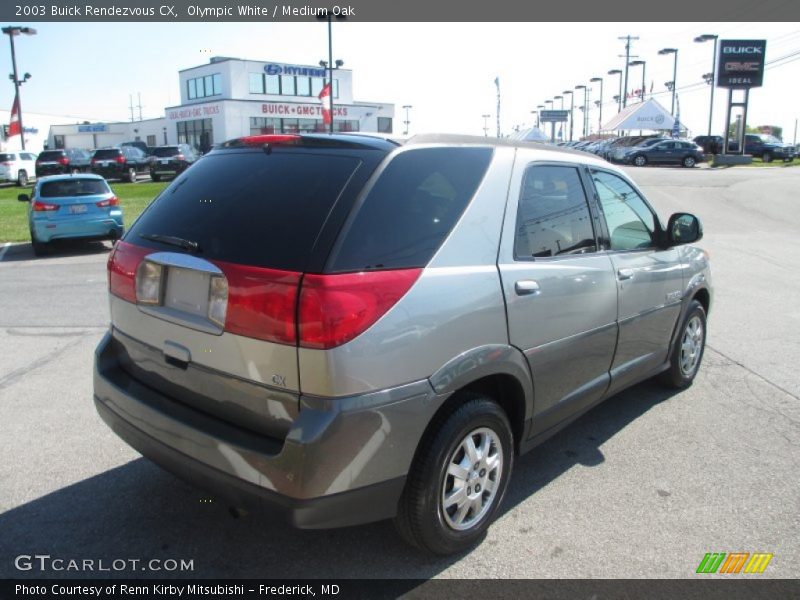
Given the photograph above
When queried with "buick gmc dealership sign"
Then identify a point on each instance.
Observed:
(741, 63)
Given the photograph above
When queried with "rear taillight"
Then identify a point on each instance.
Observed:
(94, 161)
(260, 302)
(180, 157)
(120, 160)
(39, 206)
(113, 201)
(63, 160)
(6, 164)
(122, 264)
(334, 309)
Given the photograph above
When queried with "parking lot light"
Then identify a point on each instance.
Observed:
(571, 109)
(673, 51)
(619, 98)
(600, 105)
(706, 37)
(643, 64)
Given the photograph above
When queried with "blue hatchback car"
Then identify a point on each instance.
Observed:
(72, 206)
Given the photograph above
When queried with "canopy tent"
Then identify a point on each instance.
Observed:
(531, 134)
(645, 115)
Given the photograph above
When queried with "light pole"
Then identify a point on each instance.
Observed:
(599, 106)
(551, 104)
(642, 63)
(585, 108)
(571, 109)
(327, 15)
(562, 100)
(11, 32)
(541, 107)
(674, 73)
(407, 122)
(619, 98)
(705, 38)
(486, 125)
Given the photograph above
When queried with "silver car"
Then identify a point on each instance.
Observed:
(352, 330)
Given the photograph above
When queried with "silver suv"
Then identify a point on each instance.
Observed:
(352, 330)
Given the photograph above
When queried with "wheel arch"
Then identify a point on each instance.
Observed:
(498, 371)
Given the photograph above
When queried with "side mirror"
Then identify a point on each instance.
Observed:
(684, 228)
(24, 198)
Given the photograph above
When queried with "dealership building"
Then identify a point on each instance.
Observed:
(230, 97)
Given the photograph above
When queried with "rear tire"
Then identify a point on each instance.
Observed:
(458, 478)
(767, 157)
(22, 178)
(132, 174)
(689, 162)
(688, 352)
(39, 248)
(155, 177)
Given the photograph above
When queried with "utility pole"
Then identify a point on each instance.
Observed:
(131, 101)
(628, 39)
(140, 104)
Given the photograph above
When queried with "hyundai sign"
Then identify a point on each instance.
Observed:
(741, 63)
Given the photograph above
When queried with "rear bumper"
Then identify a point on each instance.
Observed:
(343, 461)
(96, 228)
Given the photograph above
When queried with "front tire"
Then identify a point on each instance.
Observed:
(640, 161)
(132, 174)
(688, 352)
(22, 178)
(458, 478)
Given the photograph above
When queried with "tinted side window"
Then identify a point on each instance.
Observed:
(248, 207)
(553, 216)
(412, 207)
(631, 223)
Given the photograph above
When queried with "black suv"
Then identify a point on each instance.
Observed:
(766, 147)
(125, 162)
(711, 144)
(67, 160)
(170, 161)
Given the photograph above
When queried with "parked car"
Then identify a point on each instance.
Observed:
(630, 145)
(711, 144)
(67, 160)
(17, 167)
(766, 147)
(72, 206)
(170, 161)
(382, 338)
(125, 162)
(670, 152)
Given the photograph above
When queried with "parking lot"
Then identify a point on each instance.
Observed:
(642, 486)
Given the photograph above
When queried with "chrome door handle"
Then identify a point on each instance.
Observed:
(623, 274)
(526, 287)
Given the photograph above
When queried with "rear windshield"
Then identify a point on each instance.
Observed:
(411, 209)
(168, 151)
(73, 187)
(108, 153)
(52, 155)
(7, 157)
(249, 207)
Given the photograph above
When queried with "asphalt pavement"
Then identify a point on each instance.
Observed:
(642, 486)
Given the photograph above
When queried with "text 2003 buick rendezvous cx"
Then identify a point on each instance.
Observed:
(352, 329)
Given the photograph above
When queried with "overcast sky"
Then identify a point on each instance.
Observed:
(445, 71)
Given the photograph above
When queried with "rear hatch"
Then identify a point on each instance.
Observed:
(74, 198)
(108, 158)
(166, 159)
(53, 161)
(204, 286)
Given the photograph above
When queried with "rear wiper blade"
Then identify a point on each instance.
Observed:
(172, 241)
